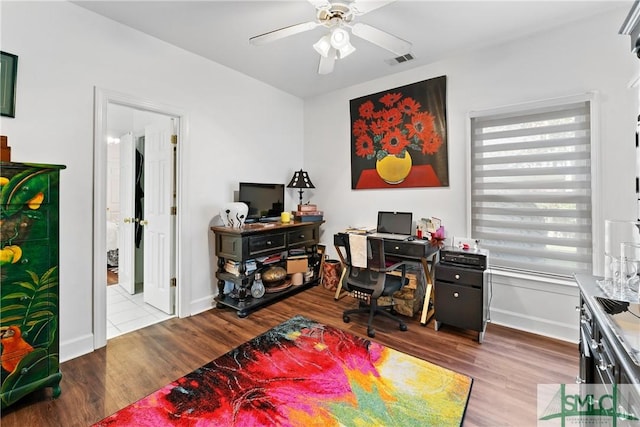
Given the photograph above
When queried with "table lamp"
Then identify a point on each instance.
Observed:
(300, 180)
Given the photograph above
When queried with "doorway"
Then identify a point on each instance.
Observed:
(135, 237)
(139, 146)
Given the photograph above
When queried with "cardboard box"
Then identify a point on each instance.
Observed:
(297, 265)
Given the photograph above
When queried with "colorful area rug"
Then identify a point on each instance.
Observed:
(303, 373)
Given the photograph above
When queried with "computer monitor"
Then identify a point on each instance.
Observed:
(264, 200)
(395, 222)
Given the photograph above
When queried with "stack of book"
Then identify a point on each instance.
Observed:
(360, 230)
(296, 252)
(233, 267)
(308, 213)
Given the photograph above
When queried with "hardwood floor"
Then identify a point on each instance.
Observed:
(506, 367)
(112, 278)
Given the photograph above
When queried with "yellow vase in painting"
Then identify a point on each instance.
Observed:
(394, 169)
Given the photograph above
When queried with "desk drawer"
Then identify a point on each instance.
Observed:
(460, 275)
(304, 235)
(405, 249)
(259, 244)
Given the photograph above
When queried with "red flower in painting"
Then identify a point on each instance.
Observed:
(379, 127)
(421, 126)
(409, 106)
(366, 110)
(392, 125)
(360, 127)
(364, 146)
(391, 98)
(392, 117)
(432, 145)
(394, 142)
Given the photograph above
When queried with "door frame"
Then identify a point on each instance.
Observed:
(126, 210)
(102, 99)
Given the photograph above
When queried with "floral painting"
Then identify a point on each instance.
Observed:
(399, 137)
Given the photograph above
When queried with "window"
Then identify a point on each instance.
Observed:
(531, 187)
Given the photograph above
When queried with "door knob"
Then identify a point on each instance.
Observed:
(144, 222)
(128, 220)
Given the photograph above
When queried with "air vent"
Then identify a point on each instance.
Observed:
(400, 59)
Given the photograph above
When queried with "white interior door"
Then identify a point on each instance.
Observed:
(159, 222)
(126, 226)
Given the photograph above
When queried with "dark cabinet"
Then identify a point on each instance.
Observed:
(29, 294)
(461, 298)
(605, 363)
(254, 241)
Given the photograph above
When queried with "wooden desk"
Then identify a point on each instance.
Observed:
(414, 250)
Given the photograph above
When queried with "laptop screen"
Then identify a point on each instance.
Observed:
(395, 222)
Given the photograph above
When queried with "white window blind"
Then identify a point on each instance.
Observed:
(531, 188)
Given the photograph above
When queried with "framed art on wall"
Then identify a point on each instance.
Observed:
(8, 74)
(399, 137)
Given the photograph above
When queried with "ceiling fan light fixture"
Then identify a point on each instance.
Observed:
(339, 37)
(340, 42)
(323, 45)
(346, 50)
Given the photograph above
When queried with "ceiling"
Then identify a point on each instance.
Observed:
(220, 31)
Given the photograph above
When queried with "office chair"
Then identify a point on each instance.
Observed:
(371, 282)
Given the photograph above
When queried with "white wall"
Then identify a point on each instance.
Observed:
(237, 129)
(586, 56)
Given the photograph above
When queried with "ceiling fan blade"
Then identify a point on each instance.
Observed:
(320, 4)
(360, 7)
(378, 37)
(282, 33)
(327, 63)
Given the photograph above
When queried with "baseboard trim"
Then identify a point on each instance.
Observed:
(202, 304)
(536, 325)
(76, 348)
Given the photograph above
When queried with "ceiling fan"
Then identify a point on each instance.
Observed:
(338, 18)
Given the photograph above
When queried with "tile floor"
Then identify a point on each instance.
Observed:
(126, 312)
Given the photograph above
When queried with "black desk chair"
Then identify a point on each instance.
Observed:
(371, 282)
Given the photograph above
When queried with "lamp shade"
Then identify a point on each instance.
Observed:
(340, 42)
(346, 50)
(323, 45)
(300, 180)
(339, 38)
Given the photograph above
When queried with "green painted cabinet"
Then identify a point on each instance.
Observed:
(29, 288)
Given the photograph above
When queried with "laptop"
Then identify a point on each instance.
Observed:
(394, 225)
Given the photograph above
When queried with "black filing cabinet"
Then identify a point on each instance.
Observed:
(461, 297)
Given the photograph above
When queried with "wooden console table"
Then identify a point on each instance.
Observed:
(255, 241)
